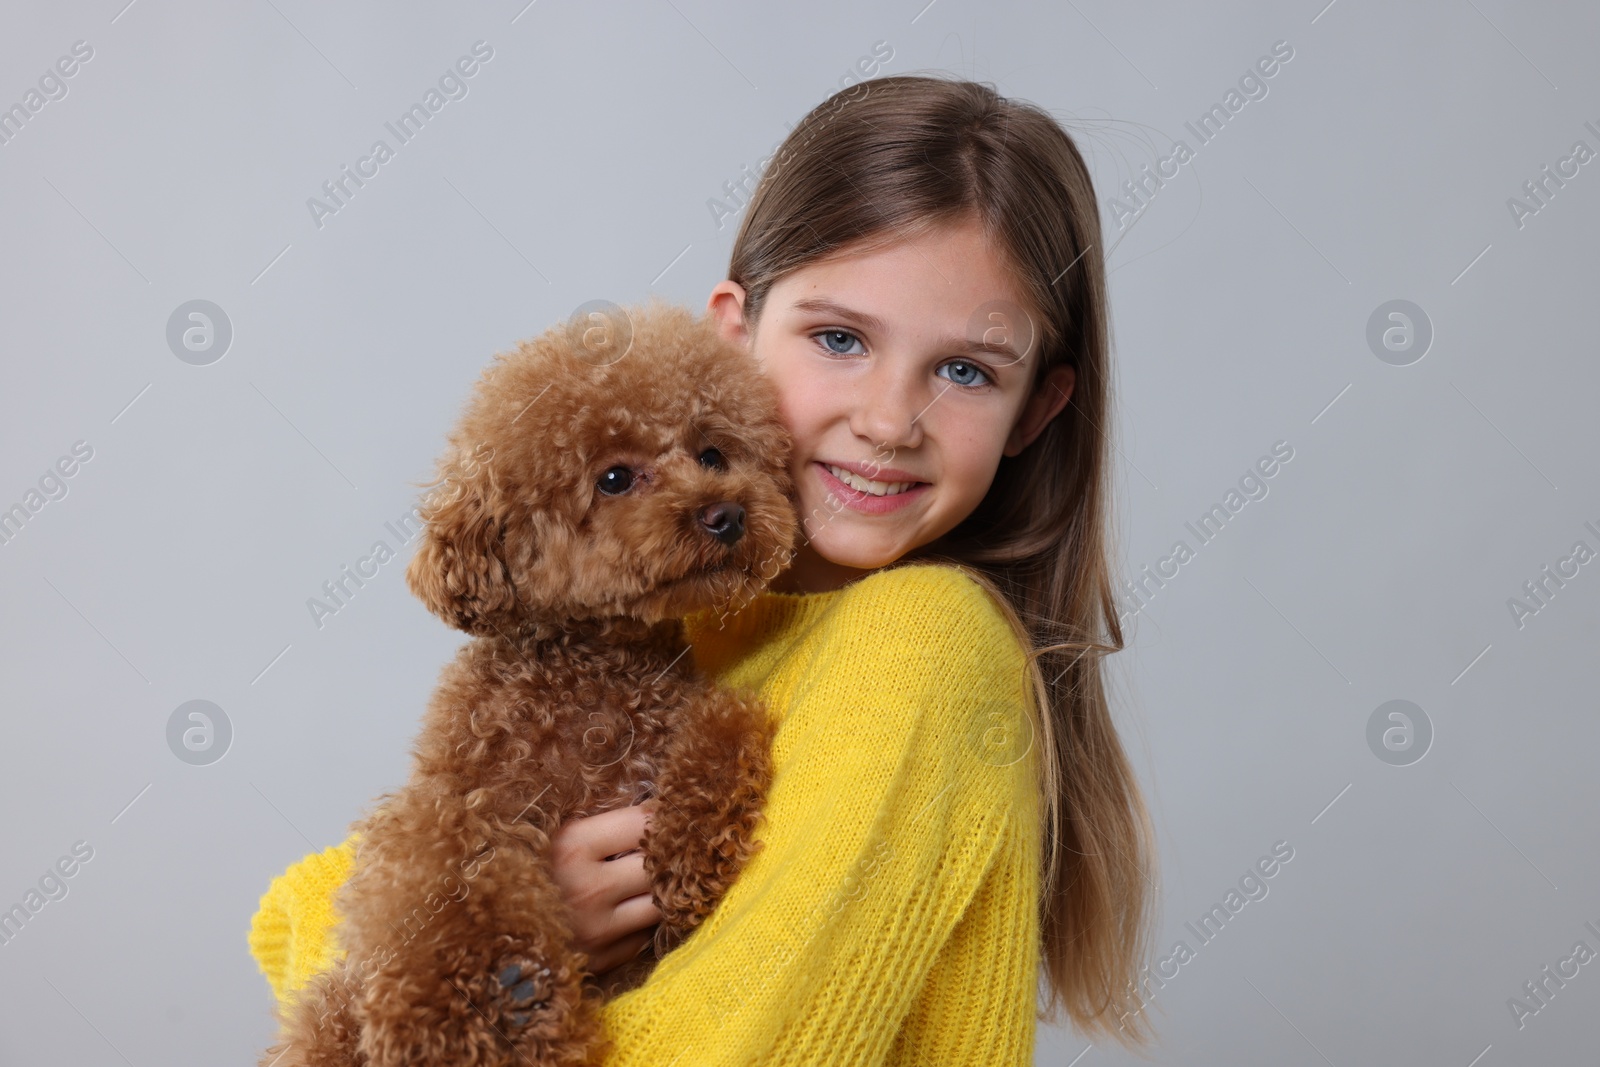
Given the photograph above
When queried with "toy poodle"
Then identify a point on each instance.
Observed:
(620, 471)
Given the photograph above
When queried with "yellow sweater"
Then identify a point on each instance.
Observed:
(891, 916)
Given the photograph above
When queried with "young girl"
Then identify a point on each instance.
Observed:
(920, 274)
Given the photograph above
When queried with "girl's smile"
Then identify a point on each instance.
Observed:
(900, 392)
(893, 488)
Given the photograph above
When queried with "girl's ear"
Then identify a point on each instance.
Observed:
(725, 308)
(459, 570)
(1054, 390)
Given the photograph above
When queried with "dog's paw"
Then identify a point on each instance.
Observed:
(526, 989)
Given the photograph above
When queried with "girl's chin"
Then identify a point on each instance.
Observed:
(854, 552)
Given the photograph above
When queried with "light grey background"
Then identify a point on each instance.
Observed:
(219, 498)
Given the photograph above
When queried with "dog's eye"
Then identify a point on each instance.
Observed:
(713, 459)
(615, 480)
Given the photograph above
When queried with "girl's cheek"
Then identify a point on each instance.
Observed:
(791, 414)
(800, 405)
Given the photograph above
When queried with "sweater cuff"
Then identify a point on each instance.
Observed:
(291, 934)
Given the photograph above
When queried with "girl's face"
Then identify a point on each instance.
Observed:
(899, 415)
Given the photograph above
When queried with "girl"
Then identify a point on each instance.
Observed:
(920, 274)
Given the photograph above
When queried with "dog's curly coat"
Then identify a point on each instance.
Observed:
(598, 487)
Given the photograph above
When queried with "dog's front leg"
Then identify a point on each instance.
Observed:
(466, 957)
(713, 784)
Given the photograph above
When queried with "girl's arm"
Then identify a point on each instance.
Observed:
(613, 916)
(891, 915)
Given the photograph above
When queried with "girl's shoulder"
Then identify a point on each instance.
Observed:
(910, 601)
(901, 600)
(931, 619)
(925, 653)
(928, 596)
(912, 586)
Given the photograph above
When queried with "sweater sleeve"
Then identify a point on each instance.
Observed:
(291, 933)
(990, 967)
(902, 801)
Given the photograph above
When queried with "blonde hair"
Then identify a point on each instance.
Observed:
(889, 158)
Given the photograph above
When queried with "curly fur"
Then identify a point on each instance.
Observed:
(574, 697)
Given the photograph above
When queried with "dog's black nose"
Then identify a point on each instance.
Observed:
(724, 520)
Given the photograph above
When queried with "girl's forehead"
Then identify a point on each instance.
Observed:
(946, 266)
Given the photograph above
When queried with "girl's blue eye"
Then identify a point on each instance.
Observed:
(829, 336)
(970, 373)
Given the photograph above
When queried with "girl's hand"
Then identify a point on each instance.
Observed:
(599, 869)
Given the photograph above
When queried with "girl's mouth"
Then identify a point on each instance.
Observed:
(867, 496)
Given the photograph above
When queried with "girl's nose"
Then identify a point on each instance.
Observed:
(888, 410)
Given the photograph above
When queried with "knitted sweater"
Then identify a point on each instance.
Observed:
(891, 916)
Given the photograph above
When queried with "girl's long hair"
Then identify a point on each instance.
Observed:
(889, 158)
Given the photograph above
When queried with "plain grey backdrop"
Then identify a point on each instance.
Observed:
(1421, 545)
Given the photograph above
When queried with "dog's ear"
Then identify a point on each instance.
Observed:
(459, 570)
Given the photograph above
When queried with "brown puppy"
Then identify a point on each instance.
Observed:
(606, 478)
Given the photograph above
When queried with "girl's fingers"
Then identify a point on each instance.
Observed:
(630, 927)
(607, 834)
(620, 952)
(623, 878)
(637, 912)
(598, 867)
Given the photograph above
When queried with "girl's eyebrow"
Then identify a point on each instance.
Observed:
(824, 306)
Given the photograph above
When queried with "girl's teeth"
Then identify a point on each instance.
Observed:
(864, 485)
